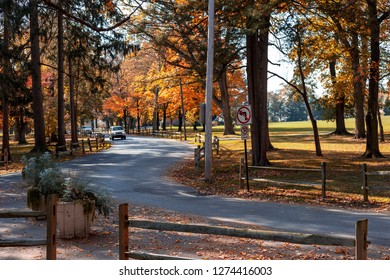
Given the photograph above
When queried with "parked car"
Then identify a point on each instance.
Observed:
(86, 130)
(117, 132)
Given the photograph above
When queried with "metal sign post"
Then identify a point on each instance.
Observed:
(245, 136)
(244, 118)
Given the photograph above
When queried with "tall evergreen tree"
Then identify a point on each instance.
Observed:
(5, 79)
(38, 114)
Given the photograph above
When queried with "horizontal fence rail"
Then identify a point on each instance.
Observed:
(365, 187)
(50, 241)
(141, 131)
(321, 170)
(71, 148)
(360, 242)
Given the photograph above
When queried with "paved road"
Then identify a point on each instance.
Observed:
(132, 170)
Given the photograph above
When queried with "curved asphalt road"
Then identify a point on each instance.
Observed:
(132, 170)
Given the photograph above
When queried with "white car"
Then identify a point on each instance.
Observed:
(117, 132)
(86, 129)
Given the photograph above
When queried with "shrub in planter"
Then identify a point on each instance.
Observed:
(42, 176)
(79, 188)
(78, 205)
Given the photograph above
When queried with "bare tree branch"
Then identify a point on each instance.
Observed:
(286, 81)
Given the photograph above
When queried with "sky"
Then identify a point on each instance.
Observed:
(285, 69)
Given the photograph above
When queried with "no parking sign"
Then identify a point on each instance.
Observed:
(244, 132)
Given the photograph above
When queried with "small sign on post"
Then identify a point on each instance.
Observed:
(244, 132)
(244, 118)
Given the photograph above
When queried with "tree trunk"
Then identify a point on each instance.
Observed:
(372, 142)
(125, 124)
(39, 120)
(155, 111)
(164, 122)
(256, 53)
(73, 112)
(381, 130)
(358, 89)
(224, 104)
(340, 103)
(180, 127)
(61, 103)
(315, 128)
(138, 118)
(5, 85)
(21, 128)
(304, 95)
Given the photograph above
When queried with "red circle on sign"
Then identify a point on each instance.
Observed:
(243, 115)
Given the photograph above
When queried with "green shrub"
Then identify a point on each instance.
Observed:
(43, 176)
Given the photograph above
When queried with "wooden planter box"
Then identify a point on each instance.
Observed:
(41, 205)
(73, 220)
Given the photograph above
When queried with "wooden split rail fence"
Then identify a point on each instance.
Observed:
(359, 242)
(366, 188)
(143, 132)
(83, 146)
(5, 160)
(199, 138)
(322, 170)
(51, 218)
(199, 151)
(168, 134)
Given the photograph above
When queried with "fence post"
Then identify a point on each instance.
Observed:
(196, 160)
(361, 239)
(323, 177)
(123, 231)
(51, 246)
(97, 144)
(216, 144)
(82, 146)
(89, 144)
(365, 184)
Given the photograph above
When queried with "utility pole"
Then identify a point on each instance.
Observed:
(182, 109)
(209, 94)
